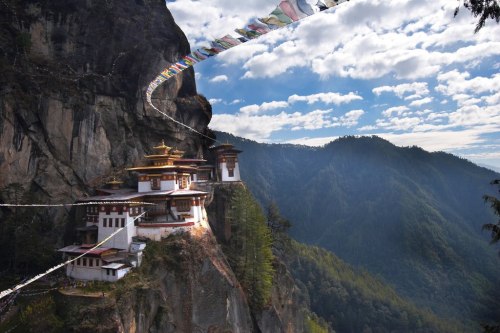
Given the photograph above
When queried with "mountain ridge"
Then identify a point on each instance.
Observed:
(410, 216)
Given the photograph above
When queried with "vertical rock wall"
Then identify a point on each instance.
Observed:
(72, 104)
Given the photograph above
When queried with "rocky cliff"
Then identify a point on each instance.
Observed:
(184, 285)
(72, 111)
(72, 103)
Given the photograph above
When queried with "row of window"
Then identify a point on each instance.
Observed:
(92, 218)
(156, 182)
(90, 262)
(108, 222)
(92, 210)
(183, 205)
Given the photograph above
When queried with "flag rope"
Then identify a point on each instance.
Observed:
(287, 12)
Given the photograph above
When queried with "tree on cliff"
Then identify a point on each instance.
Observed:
(25, 234)
(494, 202)
(484, 9)
(494, 228)
(249, 249)
(278, 225)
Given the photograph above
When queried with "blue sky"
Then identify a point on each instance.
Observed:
(404, 70)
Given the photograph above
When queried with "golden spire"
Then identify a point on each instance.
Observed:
(163, 148)
(115, 183)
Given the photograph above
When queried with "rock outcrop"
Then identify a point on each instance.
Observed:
(184, 285)
(72, 103)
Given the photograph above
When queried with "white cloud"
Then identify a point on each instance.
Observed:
(249, 109)
(432, 141)
(414, 96)
(312, 142)
(210, 19)
(379, 46)
(483, 155)
(369, 39)
(473, 115)
(261, 127)
(219, 78)
(417, 88)
(236, 101)
(420, 102)
(445, 140)
(215, 100)
(422, 112)
(395, 109)
(367, 128)
(455, 83)
(351, 118)
(242, 53)
(327, 98)
(270, 64)
(492, 99)
(436, 115)
(264, 107)
(398, 124)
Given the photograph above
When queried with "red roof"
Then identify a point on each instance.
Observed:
(79, 249)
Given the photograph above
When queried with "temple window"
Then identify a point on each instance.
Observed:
(155, 183)
(230, 162)
(183, 205)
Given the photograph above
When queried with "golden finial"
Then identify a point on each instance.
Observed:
(163, 146)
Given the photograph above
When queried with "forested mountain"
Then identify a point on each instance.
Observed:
(353, 301)
(409, 216)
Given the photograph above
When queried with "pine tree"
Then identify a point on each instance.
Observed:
(249, 250)
(484, 9)
(494, 202)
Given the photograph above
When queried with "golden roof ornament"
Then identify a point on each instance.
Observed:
(163, 147)
(114, 183)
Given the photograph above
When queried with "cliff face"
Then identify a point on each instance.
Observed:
(72, 108)
(72, 104)
(184, 285)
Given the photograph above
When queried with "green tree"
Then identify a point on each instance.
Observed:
(278, 226)
(494, 228)
(249, 249)
(494, 202)
(39, 316)
(26, 235)
(484, 9)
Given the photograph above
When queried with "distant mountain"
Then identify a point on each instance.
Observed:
(409, 216)
(353, 301)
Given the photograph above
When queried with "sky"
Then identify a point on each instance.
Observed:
(405, 70)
